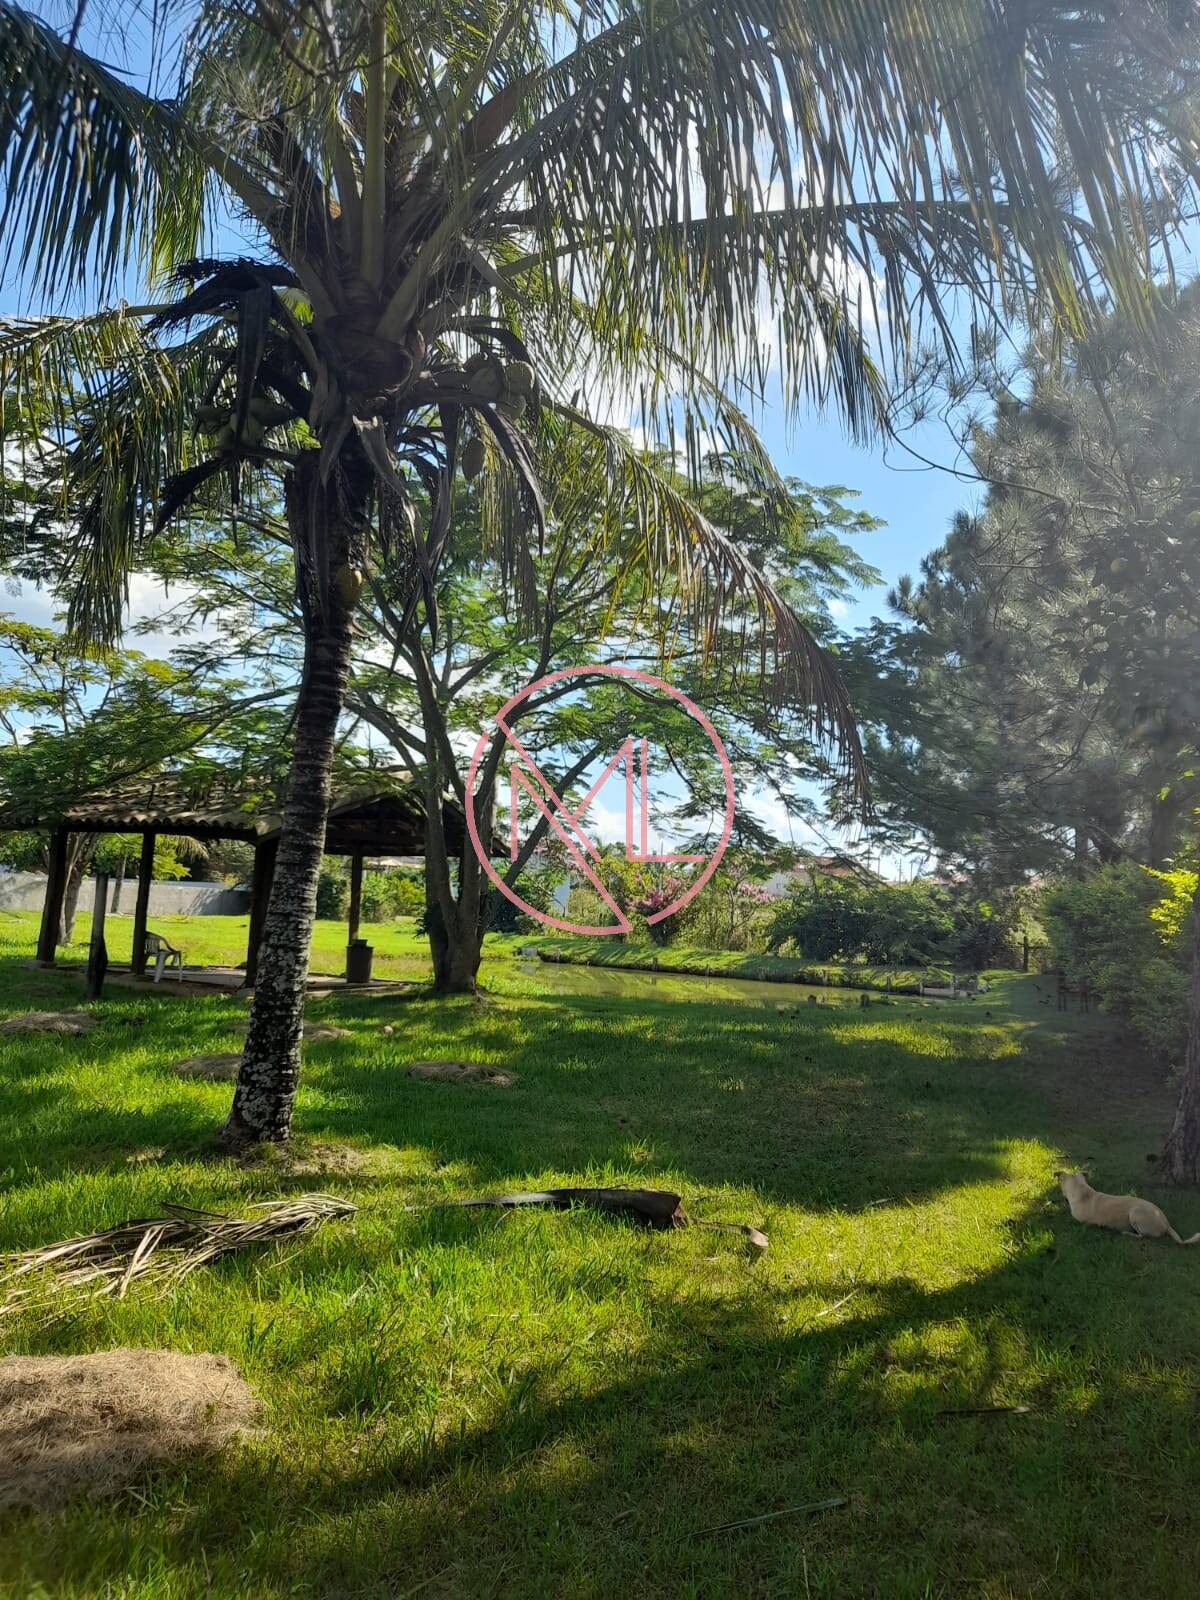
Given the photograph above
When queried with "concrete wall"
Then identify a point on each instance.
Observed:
(25, 891)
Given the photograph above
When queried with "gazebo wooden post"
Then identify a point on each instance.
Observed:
(261, 880)
(56, 889)
(356, 877)
(97, 964)
(141, 907)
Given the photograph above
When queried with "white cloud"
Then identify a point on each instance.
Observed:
(150, 601)
(607, 823)
(28, 602)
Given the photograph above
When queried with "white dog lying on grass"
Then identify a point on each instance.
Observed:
(1125, 1212)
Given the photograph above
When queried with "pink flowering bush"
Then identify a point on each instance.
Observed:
(657, 899)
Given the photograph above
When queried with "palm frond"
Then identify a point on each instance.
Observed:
(46, 361)
(118, 407)
(160, 1250)
(133, 440)
(95, 175)
(827, 356)
(1004, 149)
(677, 200)
(660, 534)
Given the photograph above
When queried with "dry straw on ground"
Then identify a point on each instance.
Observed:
(49, 1022)
(462, 1072)
(323, 1159)
(219, 1068)
(74, 1425)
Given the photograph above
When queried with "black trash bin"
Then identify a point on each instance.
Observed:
(359, 955)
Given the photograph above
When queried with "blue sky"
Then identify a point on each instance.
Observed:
(916, 502)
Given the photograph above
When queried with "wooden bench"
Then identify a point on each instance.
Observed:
(163, 953)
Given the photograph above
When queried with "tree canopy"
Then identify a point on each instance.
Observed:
(1041, 688)
(469, 231)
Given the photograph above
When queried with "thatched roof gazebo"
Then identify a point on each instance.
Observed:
(368, 821)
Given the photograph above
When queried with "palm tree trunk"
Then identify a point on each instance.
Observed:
(321, 520)
(1181, 1155)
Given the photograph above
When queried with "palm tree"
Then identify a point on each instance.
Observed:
(463, 217)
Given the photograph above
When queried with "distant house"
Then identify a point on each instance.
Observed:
(809, 868)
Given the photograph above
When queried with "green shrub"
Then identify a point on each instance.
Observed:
(23, 852)
(896, 924)
(392, 893)
(385, 895)
(333, 890)
(410, 894)
(984, 931)
(853, 920)
(1100, 930)
(536, 889)
(1124, 931)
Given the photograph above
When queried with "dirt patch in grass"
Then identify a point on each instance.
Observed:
(305, 1158)
(340, 1159)
(319, 1032)
(218, 1068)
(72, 1425)
(223, 1067)
(462, 1072)
(314, 1032)
(49, 1022)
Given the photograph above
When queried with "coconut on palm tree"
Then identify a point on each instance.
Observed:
(463, 220)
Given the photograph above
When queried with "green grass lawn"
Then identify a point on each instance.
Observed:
(533, 1405)
(400, 952)
(641, 954)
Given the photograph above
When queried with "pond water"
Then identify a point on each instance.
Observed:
(624, 983)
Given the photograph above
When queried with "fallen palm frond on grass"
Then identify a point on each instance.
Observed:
(164, 1250)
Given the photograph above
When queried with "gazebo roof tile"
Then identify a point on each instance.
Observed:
(384, 818)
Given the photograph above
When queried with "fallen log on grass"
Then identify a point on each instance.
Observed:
(652, 1208)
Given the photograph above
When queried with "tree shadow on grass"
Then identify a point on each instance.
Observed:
(600, 1478)
(823, 1108)
(106, 1101)
(820, 1110)
(726, 1420)
(595, 1487)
